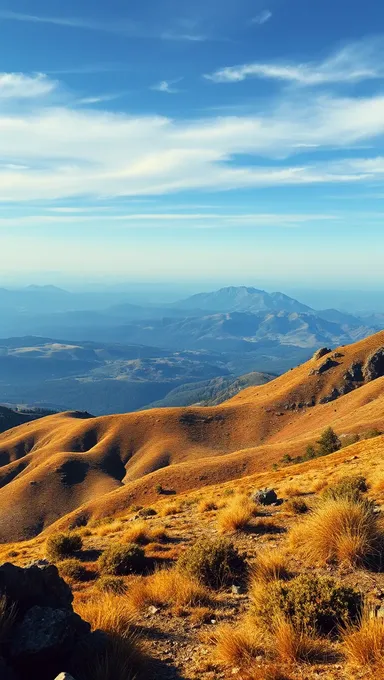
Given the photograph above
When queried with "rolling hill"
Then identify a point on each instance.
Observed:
(100, 466)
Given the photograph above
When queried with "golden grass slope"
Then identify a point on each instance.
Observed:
(62, 463)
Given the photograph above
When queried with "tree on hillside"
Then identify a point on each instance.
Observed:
(328, 442)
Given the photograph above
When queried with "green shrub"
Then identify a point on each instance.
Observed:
(328, 442)
(147, 512)
(73, 570)
(112, 584)
(214, 562)
(312, 603)
(296, 505)
(62, 545)
(350, 487)
(371, 434)
(119, 560)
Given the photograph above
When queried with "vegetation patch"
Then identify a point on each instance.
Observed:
(61, 545)
(119, 560)
(214, 562)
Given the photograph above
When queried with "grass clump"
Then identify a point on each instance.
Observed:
(119, 560)
(207, 505)
(61, 545)
(112, 584)
(363, 643)
(170, 509)
(270, 565)
(213, 562)
(238, 646)
(142, 534)
(292, 645)
(347, 487)
(7, 619)
(237, 515)
(73, 570)
(340, 530)
(312, 604)
(167, 587)
(296, 505)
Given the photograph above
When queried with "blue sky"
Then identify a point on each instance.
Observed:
(238, 140)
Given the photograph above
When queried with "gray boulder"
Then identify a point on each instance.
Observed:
(265, 496)
(35, 585)
(321, 353)
(374, 366)
(47, 633)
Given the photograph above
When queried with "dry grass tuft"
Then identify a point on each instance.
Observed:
(167, 587)
(363, 644)
(292, 645)
(340, 530)
(207, 505)
(291, 490)
(238, 646)
(7, 618)
(170, 509)
(107, 612)
(270, 565)
(141, 533)
(237, 515)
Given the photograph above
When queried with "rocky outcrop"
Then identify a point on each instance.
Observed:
(325, 366)
(374, 366)
(321, 353)
(265, 496)
(46, 635)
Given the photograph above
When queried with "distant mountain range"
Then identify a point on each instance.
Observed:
(115, 356)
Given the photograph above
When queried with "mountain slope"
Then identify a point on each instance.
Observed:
(243, 299)
(102, 465)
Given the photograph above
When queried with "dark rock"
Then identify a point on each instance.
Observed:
(335, 394)
(35, 585)
(265, 496)
(326, 366)
(374, 366)
(6, 673)
(337, 355)
(48, 633)
(354, 373)
(321, 353)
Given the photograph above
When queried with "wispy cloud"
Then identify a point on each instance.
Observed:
(123, 27)
(353, 63)
(68, 152)
(23, 86)
(262, 18)
(167, 86)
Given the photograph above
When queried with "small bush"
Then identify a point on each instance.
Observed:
(328, 442)
(312, 604)
(364, 643)
(62, 545)
(214, 562)
(112, 584)
(297, 506)
(159, 489)
(147, 512)
(371, 434)
(347, 487)
(73, 570)
(119, 560)
(340, 531)
(170, 509)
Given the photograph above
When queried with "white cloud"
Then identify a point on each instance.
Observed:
(353, 63)
(22, 86)
(75, 152)
(166, 86)
(262, 18)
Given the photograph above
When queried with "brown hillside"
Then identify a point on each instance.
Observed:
(65, 462)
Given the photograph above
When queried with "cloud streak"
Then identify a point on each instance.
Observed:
(166, 86)
(124, 27)
(262, 18)
(353, 63)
